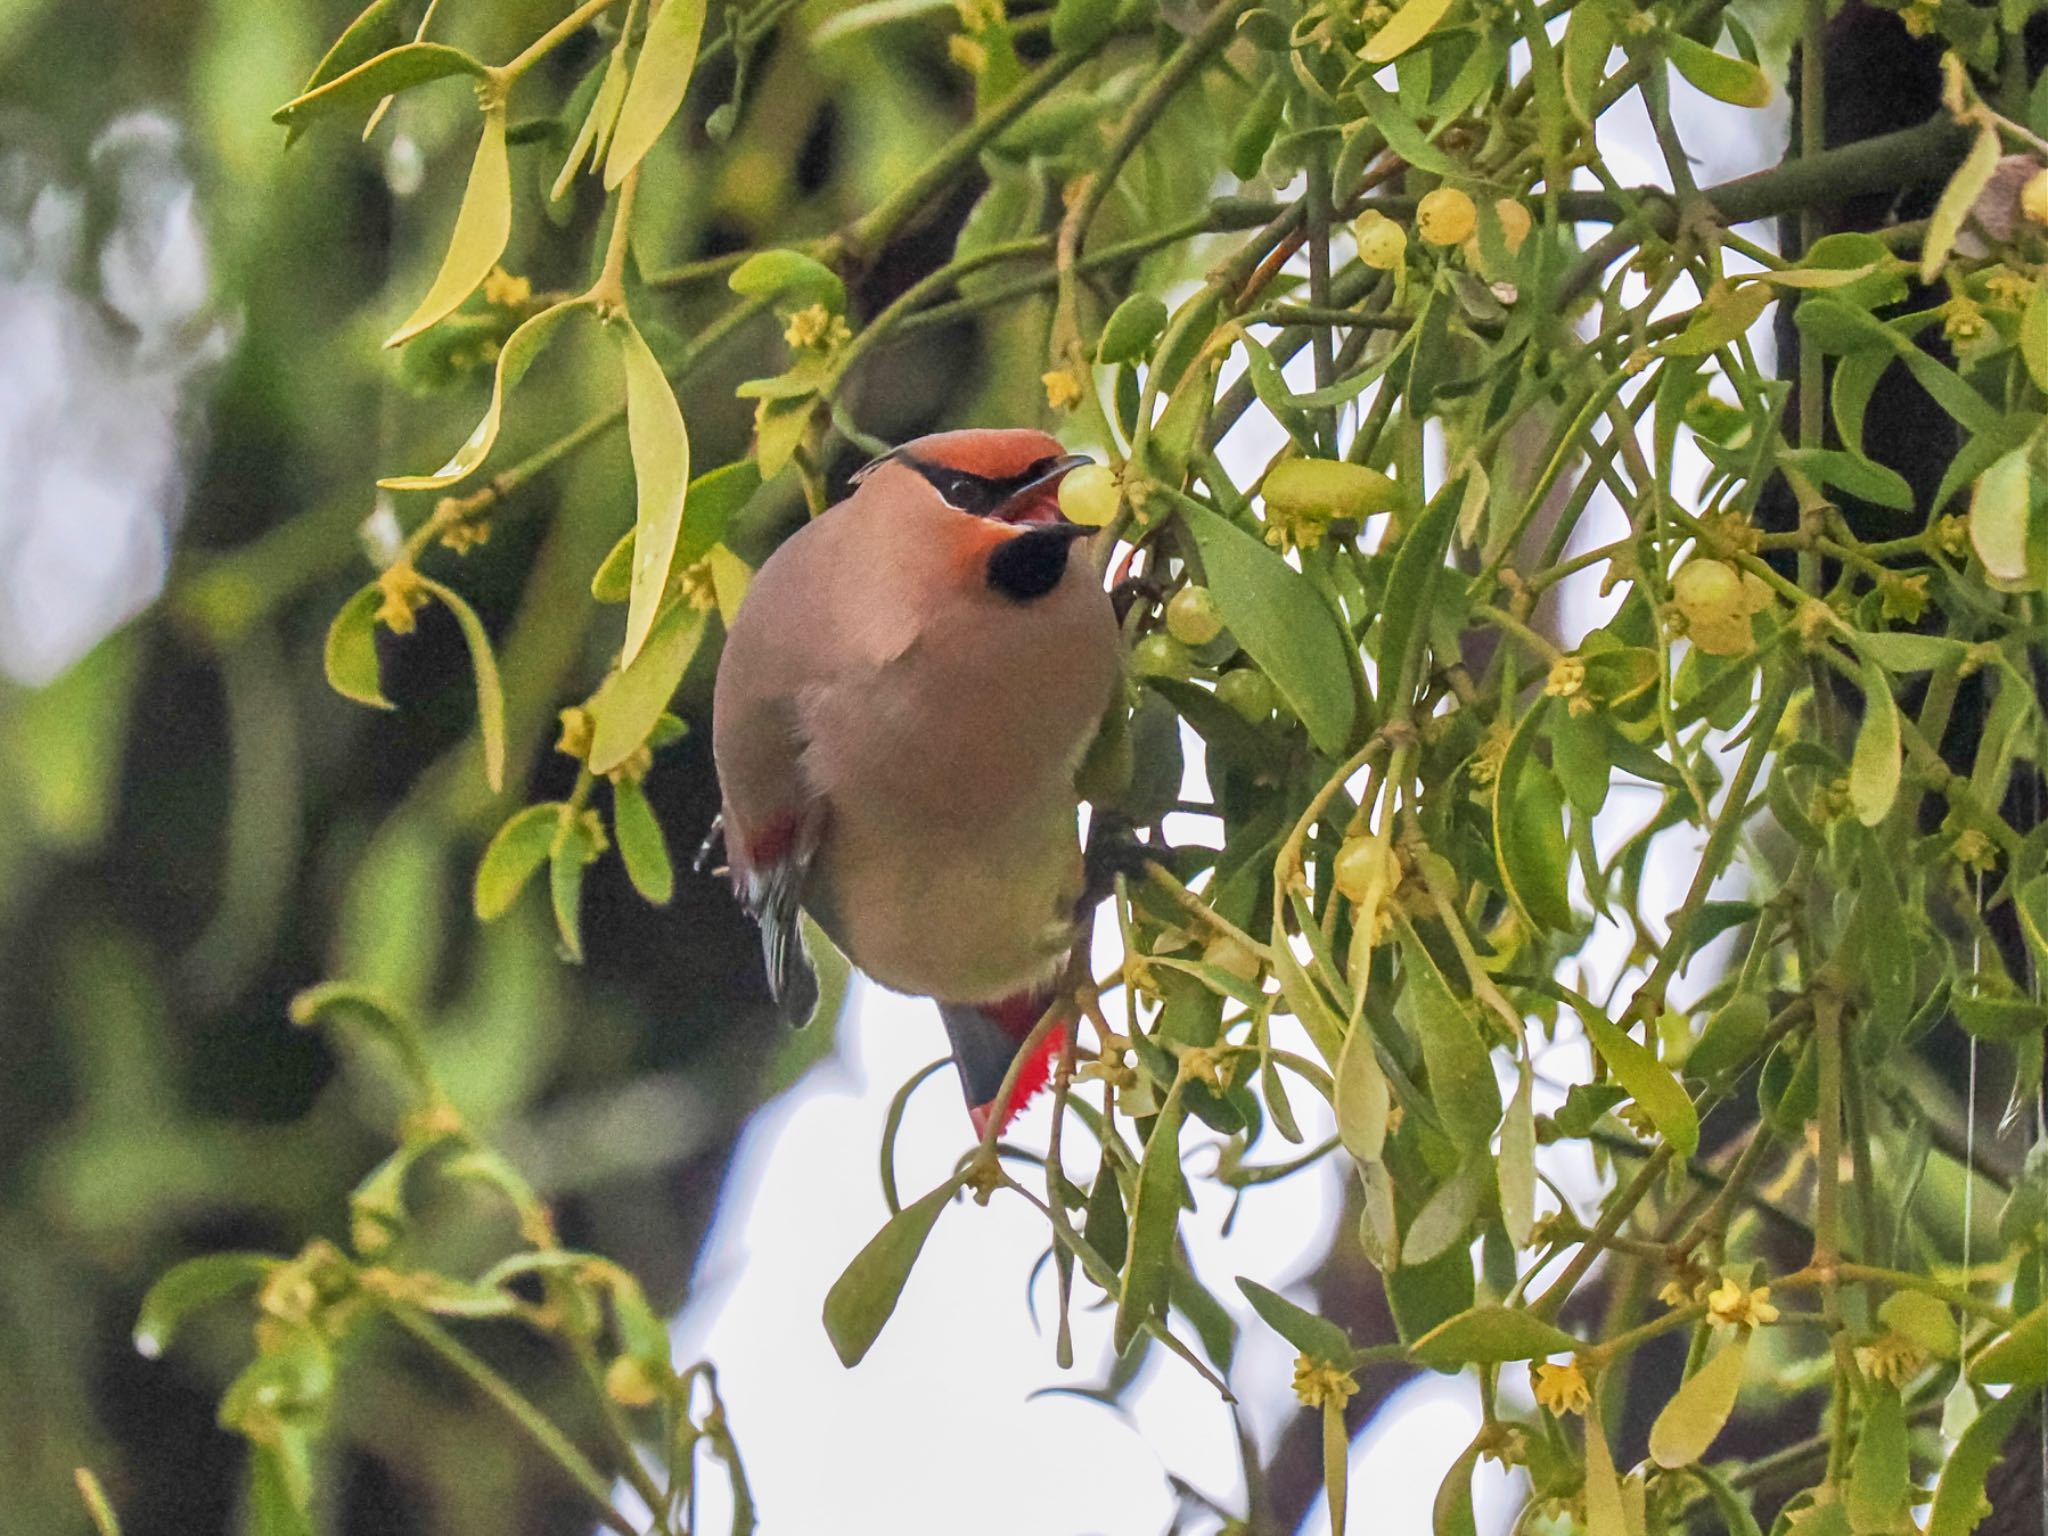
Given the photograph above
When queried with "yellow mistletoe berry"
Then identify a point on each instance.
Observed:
(2034, 197)
(1381, 242)
(1515, 222)
(1445, 216)
(1088, 495)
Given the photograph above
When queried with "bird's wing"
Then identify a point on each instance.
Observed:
(769, 876)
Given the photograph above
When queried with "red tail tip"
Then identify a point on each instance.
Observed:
(1032, 1079)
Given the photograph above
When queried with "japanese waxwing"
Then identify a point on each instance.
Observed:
(903, 700)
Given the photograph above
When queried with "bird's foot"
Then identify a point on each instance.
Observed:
(1114, 848)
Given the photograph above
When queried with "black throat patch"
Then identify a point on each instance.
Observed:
(1031, 564)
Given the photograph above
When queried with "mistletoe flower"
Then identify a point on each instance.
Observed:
(1737, 1305)
(1560, 1388)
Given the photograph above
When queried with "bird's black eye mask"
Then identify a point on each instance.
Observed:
(977, 495)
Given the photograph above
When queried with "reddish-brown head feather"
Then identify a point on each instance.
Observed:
(992, 452)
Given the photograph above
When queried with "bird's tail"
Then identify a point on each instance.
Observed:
(986, 1038)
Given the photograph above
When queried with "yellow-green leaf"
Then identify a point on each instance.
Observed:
(1698, 1411)
(1414, 21)
(1082, 26)
(490, 692)
(1957, 199)
(861, 1299)
(1719, 321)
(1490, 1335)
(351, 652)
(573, 851)
(1924, 1319)
(482, 226)
(598, 122)
(2020, 1359)
(641, 844)
(1648, 1081)
(1516, 1174)
(2009, 522)
(1874, 765)
(515, 852)
(1735, 81)
(1605, 1515)
(373, 30)
(514, 358)
(1528, 830)
(185, 1288)
(394, 70)
(1880, 1471)
(1336, 1463)
(1445, 1217)
(1363, 1100)
(1155, 1218)
(2034, 337)
(1959, 1503)
(630, 703)
(668, 57)
(789, 279)
(1588, 40)
(1317, 1337)
(1452, 1514)
(661, 478)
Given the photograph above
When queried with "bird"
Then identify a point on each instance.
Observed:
(902, 702)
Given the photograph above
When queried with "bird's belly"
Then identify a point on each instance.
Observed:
(965, 918)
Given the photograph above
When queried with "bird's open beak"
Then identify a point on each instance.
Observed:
(1037, 499)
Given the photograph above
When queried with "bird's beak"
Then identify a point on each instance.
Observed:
(1036, 501)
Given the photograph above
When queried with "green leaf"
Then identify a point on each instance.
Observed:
(661, 77)
(1516, 1174)
(517, 355)
(1409, 25)
(482, 226)
(2019, 1359)
(1081, 26)
(1316, 1337)
(1106, 1228)
(1131, 329)
(1731, 1037)
(1490, 1335)
(367, 1014)
(790, 279)
(1737, 1519)
(1589, 38)
(1445, 1218)
(1957, 199)
(1856, 378)
(279, 1496)
(1959, 1502)
(1403, 137)
(572, 852)
(1155, 1218)
(631, 702)
(1461, 1081)
(1924, 1319)
(1735, 81)
(1363, 1101)
(1874, 766)
(516, 851)
(351, 652)
(1718, 322)
(1900, 652)
(1879, 1471)
(2034, 337)
(1698, 1411)
(1648, 1081)
(398, 69)
(185, 1288)
(1854, 473)
(2031, 903)
(1992, 1016)
(1418, 566)
(641, 843)
(861, 1299)
(490, 692)
(1282, 623)
(1451, 1514)
(876, 13)
(1528, 831)
(661, 478)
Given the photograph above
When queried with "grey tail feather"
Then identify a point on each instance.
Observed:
(981, 1050)
(791, 979)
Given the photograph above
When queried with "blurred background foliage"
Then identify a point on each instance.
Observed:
(193, 826)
